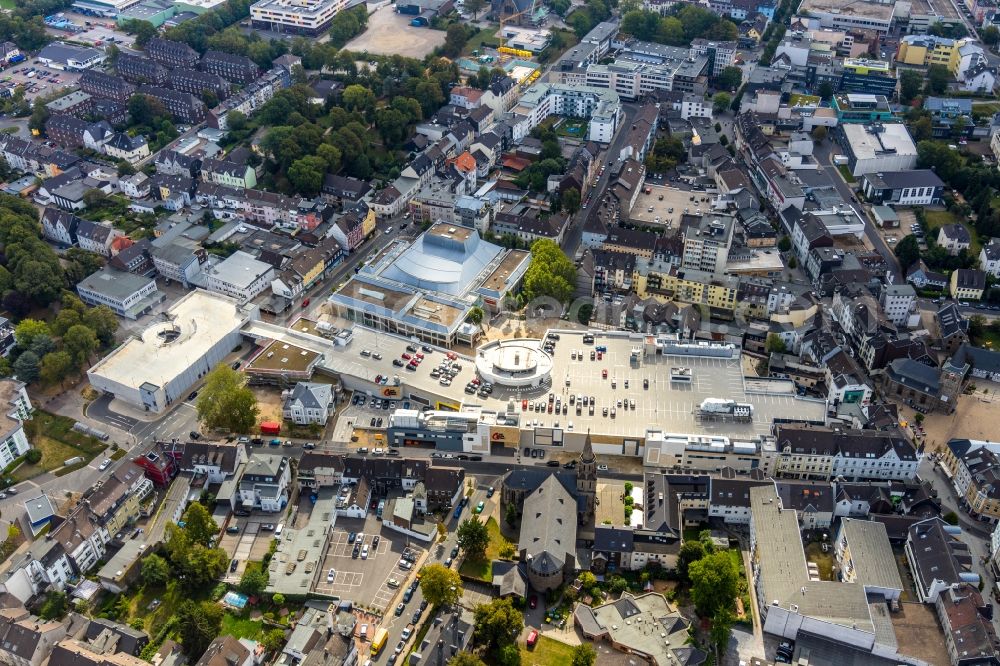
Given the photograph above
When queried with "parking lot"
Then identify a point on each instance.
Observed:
(663, 206)
(37, 79)
(252, 543)
(99, 32)
(365, 580)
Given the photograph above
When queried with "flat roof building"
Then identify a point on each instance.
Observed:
(878, 147)
(297, 17)
(127, 294)
(158, 365)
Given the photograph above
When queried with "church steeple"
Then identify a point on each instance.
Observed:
(588, 450)
(586, 479)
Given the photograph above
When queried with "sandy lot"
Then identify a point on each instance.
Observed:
(975, 418)
(919, 634)
(390, 33)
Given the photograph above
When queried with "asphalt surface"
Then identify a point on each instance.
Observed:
(571, 241)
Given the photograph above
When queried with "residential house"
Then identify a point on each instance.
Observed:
(131, 149)
(229, 171)
(967, 284)
(938, 560)
(235, 68)
(308, 402)
(95, 237)
(989, 257)
(265, 483)
(171, 53)
(954, 238)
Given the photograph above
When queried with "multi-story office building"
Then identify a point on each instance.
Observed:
(239, 276)
(706, 242)
(720, 54)
(128, 295)
(298, 17)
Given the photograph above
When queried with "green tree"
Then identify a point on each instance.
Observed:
(722, 623)
(226, 403)
(236, 120)
(454, 41)
(497, 623)
(306, 175)
(199, 525)
(54, 607)
(26, 367)
(584, 655)
(203, 566)
(474, 7)
(142, 30)
(476, 315)
(714, 583)
(28, 329)
(509, 655)
(550, 274)
(990, 35)
(729, 78)
(473, 537)
(951, 518)
(910, 83)
(198, 624)
(155, 570)
(465, 658)
(80, 341)
(510, 514)
(440, 585)
(774, 344)
(907, 251)
(825, 90)
(819, 133)
(33, 456)
(273, 640)
(721, 102)
(938, 77)
(278, 598)
(691, 551)
(55, 367)
(254, 581)
(358, 98)
(571, 200)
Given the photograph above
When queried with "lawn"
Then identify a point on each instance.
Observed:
(241, 626)
(482, 568)
(7, 4)
(485, 37)
(573, 128)
(54, 436)
(989, 339)
(845, 171)
(547, 652)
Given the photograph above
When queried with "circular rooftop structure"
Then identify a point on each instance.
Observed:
(515, 363)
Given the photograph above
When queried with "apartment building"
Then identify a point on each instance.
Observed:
(171, 53)
(820, 453)
(720, 54)
(100, 84)
(139, 69)
(601, 107)
(265, 483)
(192, 81)
(16, 408)
(974, 467)
(707, 240)
(235, 68)
(184, 107)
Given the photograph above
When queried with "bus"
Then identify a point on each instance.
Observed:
(381, 636)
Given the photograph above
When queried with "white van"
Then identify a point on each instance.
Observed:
(277, 530)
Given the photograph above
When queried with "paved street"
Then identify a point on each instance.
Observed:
(571, 242)
(824, 155)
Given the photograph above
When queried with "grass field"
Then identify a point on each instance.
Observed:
(547, 652)
(483, 568)
(54, 436)
(485, 37)
(7, 4)
(242, 627)
(845, 171)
